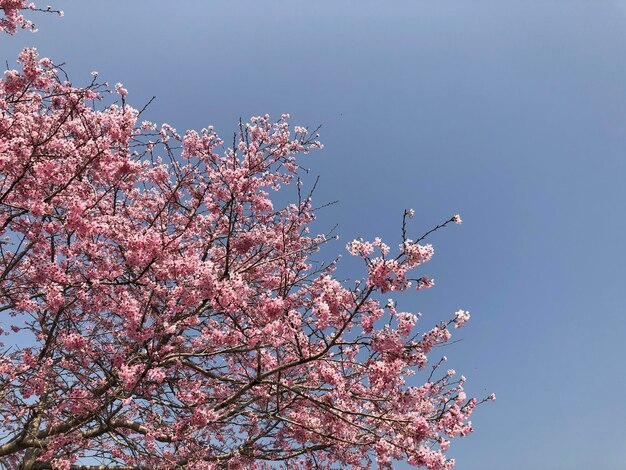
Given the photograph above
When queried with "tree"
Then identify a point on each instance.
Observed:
(164, 314)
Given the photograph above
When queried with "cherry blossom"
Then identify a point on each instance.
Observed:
(460, 318)
(161, 311)
(13, 18)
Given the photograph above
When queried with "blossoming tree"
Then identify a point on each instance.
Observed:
(159, 312)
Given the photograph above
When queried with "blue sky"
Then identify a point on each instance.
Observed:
(511, 113)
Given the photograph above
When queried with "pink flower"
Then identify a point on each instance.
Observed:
(460, 318)
(119, 88)
(74, 341)
(156, 375)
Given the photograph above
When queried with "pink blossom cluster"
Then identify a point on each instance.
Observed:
(175, 315)
(390, 274)
(460, 318)
(13, 19)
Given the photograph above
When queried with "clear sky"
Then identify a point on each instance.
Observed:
(511, 113)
